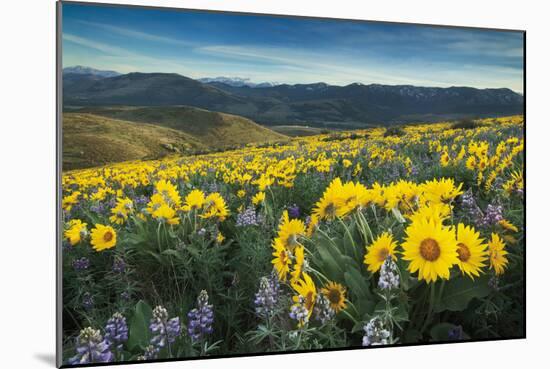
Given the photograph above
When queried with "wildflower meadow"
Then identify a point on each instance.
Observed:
(380, 236)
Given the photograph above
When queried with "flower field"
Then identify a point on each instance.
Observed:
(372, 237)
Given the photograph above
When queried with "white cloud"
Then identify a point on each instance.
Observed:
(138, 34)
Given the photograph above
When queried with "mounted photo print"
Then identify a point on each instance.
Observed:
(234, 184)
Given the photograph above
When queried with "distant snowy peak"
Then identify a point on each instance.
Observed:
(237, 82)
(79, 69)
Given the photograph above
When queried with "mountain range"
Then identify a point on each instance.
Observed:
(316, 104)
(79, 69)
(237, 82)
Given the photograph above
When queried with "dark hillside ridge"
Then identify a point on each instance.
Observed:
(317, 104)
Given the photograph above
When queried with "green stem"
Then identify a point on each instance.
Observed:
(350, 316)
(430, 308)
(319, 274)
(158, 237)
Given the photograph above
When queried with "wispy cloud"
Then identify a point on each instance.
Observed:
(100, 46)
(138, 34)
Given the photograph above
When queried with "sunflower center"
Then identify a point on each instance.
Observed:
(383, 254)
(292, 240)
(463, 252)
(283, 257)
(429, 249)
(330, 210)
(309, 300)
(108, 236)
(334, 296)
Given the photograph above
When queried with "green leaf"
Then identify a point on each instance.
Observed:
(139, 326)
(174, 253)
(357, 284)
(460, 291)
(330, 262)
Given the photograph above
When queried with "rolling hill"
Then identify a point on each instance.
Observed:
(101, 135)
(213, 129)
(150, 89)
(317, 104)
(92, 140)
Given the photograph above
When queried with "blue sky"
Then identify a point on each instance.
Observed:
(288, 50)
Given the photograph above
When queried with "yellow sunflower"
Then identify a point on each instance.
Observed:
(165, 213)
(471, 251)
(281, 262)
(258, 198)
(437, 212)
(336, 295)
(298, 263)
(169, 192)
(290, 231)
(331, 205)
(194, 200)
(378, 252)
(312, 226)
(497, 254)
(305, 288)
(508, 225)
(431, 249)
(355, 195)
(214, 206)
(75, 231)
(442, 190)
(103, 237)
(123, 208)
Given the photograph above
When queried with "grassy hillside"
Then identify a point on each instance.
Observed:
(91, 140)
(215, 130)
(98, 136)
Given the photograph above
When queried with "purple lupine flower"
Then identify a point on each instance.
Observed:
(414, 170)
(119, 266)
(322, 310)
(293, 211)
(99, 208)
(266, 297)
(494, 283)
(88, 301)
(299, 311)
(125, 295)
(116, 331)
(111, 203)
(150, 353)
(213, 187)
(66, 246)
(375, 333)
(81, 264)
(247, 218)
(389, 275)
(456, 333)
(470, 206)
(468, 201)
(307, 221)
(493, 215)
(91, 348)
(201, 318)
(165, 330)
(141, 200)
